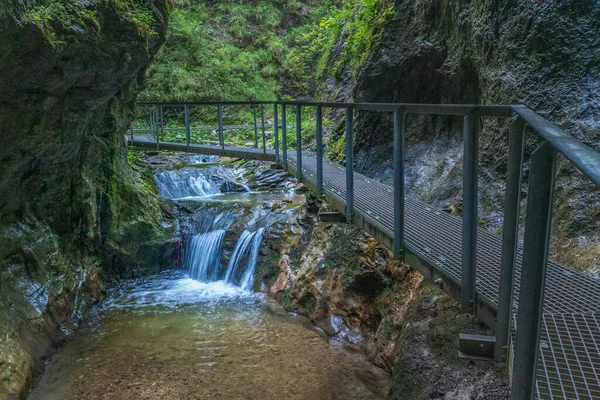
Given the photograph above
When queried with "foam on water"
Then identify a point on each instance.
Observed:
(172, 290)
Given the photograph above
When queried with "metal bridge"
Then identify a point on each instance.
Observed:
(546, 316)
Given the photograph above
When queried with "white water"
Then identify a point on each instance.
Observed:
(204, 264)
(203, 259)
(190, 183)
(247, 249)
(211, 224)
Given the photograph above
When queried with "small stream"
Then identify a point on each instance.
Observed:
(201, 332)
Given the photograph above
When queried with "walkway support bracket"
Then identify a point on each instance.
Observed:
(399, 128)
(299, 141)
(284, 136)
(510, 236)
(187, 127)
(469, 218)
(533, 274)
(155, 125)
(319, 139)
(349, 165)
(162, 123)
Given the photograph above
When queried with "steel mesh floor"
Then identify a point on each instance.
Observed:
(569, 362)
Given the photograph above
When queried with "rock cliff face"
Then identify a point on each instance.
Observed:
(358, 297)
(73, 212)
(544, 54)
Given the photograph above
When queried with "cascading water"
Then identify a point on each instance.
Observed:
(190, 334)
(211, 223)
(246, 248)
(204, 255)
(176, 185)
(248, 278)
(190, 182)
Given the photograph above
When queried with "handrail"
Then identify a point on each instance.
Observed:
(539, 201)
(582, 156)
(413, 108)
(586, 159)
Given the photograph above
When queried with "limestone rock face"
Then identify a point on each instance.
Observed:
(358, 297)
(72, 209)
(544, 54)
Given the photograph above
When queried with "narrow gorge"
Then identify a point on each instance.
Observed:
(160, 237)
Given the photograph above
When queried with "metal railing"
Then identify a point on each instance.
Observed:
(539, 201)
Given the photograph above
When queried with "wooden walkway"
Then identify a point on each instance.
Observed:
(569, 361)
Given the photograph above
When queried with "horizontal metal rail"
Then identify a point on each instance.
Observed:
(583, 157)
(202, 127)
(434, 109)
(484, 273)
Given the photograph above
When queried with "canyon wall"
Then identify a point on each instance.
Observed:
(544, 54)
(73, 211)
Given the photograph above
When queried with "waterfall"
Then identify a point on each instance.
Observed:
(177, 185)
(204, 238)
(204, 256)
(248, 278)
(246, 248)
(194, 182)
(236, 256)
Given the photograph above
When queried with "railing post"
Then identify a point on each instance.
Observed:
(220, 116)
(510, 234)
(262, 122)
(319, 138)
(255, 127)
(151, 117)
(187, 126)
(299, 141)
(533, 274)
(131, 125)
(162, 123)
(349, 165)
(399, 128)
(276, 129)
(155, 124)
(469, 218)
(284, 136)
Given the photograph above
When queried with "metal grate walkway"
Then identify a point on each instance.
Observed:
(569, 362)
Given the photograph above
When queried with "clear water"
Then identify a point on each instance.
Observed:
(172, 337)
(210, 337)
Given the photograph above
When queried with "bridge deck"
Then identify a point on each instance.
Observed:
(569, 363)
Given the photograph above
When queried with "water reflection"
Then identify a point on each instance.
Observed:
(172, 337)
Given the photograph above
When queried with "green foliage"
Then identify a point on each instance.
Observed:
(59, 20)
(226, 51)
(355, 26)
(260, 49)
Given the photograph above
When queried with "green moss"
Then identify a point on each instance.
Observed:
(355, 25)
(60, 20)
